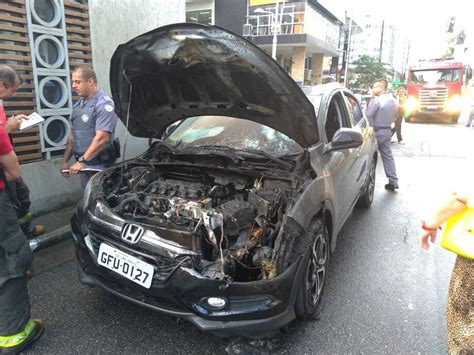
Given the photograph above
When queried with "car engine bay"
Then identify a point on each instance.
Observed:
(231, 220)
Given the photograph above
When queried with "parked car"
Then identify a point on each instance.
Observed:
(229, 219)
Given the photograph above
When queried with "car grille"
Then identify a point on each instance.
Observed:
(163, 266)
(433, 97)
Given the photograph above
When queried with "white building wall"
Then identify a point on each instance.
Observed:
(394, 46)
(318, 26)
(114, 22)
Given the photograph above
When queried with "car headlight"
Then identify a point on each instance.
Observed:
(454, 103)
(411, 104)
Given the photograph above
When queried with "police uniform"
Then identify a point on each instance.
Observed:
(88, 116)
(381, 113)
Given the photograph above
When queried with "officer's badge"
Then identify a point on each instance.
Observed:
(108, 108)
(85, 118)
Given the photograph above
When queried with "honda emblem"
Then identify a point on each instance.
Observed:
(131, 233)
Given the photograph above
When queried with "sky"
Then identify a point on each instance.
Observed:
(422, 21)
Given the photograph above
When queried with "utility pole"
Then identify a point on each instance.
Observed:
(381, 42)
(276, 26)
(348, 52)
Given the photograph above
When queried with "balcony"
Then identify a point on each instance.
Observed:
(294, 18)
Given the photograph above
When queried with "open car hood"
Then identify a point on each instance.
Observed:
(185, 70)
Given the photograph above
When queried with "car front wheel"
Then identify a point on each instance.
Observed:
(365, 200)
(315, 273)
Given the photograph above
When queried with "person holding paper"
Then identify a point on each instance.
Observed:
(17, 329)
(10, 82)
(93, 123)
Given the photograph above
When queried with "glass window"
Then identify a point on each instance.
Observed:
(435, 76)
(354, 109)
(44, 9)
(202, 16)
(231, 132)
(48, 51)
(52, 92)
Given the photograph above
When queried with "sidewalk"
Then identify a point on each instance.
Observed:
(57, 228)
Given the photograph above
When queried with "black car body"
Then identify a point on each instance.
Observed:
(228, 220)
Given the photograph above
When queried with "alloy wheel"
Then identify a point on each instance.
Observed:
(317, 269)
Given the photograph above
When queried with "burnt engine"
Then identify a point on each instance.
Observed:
(231, 221)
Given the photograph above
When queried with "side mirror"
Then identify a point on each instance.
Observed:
(345, 138)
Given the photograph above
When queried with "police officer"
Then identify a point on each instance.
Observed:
(17, 330)
(93, 123)
(381, 113)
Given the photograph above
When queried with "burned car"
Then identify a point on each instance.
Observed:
(229, 218)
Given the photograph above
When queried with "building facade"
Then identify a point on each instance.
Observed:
(306, 32)
(380, 40)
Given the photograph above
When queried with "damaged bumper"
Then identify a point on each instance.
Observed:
(252, 309)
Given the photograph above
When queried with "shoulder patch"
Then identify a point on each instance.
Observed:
(109, 108)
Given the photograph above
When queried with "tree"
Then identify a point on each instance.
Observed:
(367, 69)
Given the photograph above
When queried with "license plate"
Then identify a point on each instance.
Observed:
(126, 265)
(431, 107)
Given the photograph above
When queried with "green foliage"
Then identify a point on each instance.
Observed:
(367, 69)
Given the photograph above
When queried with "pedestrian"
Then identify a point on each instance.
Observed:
(10, 82)
(93, 123)
(381, 113)
(17, 329)
(401, 96)
(471, 114)
(460, 306)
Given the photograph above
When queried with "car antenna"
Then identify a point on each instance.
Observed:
(126, 126)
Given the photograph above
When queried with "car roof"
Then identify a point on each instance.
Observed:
(321, 89)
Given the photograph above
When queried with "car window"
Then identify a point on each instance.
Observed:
(230, 132)
(316, 102)
(353, 108)
(333, 117)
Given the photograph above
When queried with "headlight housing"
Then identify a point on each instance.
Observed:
(412, 104)
(454, 104)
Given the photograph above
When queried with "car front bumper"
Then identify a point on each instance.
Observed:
(253, 309)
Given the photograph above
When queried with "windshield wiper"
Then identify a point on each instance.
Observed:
(267, 155)
(219, 150)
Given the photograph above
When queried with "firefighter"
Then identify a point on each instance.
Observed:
(17, 329)
(9, 84)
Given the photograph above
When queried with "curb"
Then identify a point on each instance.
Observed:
(54, 237)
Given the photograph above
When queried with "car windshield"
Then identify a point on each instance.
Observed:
(230, 132)
(436, 76)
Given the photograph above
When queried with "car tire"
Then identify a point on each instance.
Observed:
(365, 200)
(316, 254)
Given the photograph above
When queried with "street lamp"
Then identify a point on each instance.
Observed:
(276, 26)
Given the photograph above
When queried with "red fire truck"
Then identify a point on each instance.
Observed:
(435, 89)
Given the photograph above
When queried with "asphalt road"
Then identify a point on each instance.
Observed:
(384, 294)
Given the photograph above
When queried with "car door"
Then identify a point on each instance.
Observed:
(342, 164)
(361, 155)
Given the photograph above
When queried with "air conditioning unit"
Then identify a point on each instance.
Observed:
(307, 74)
(247, 30)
